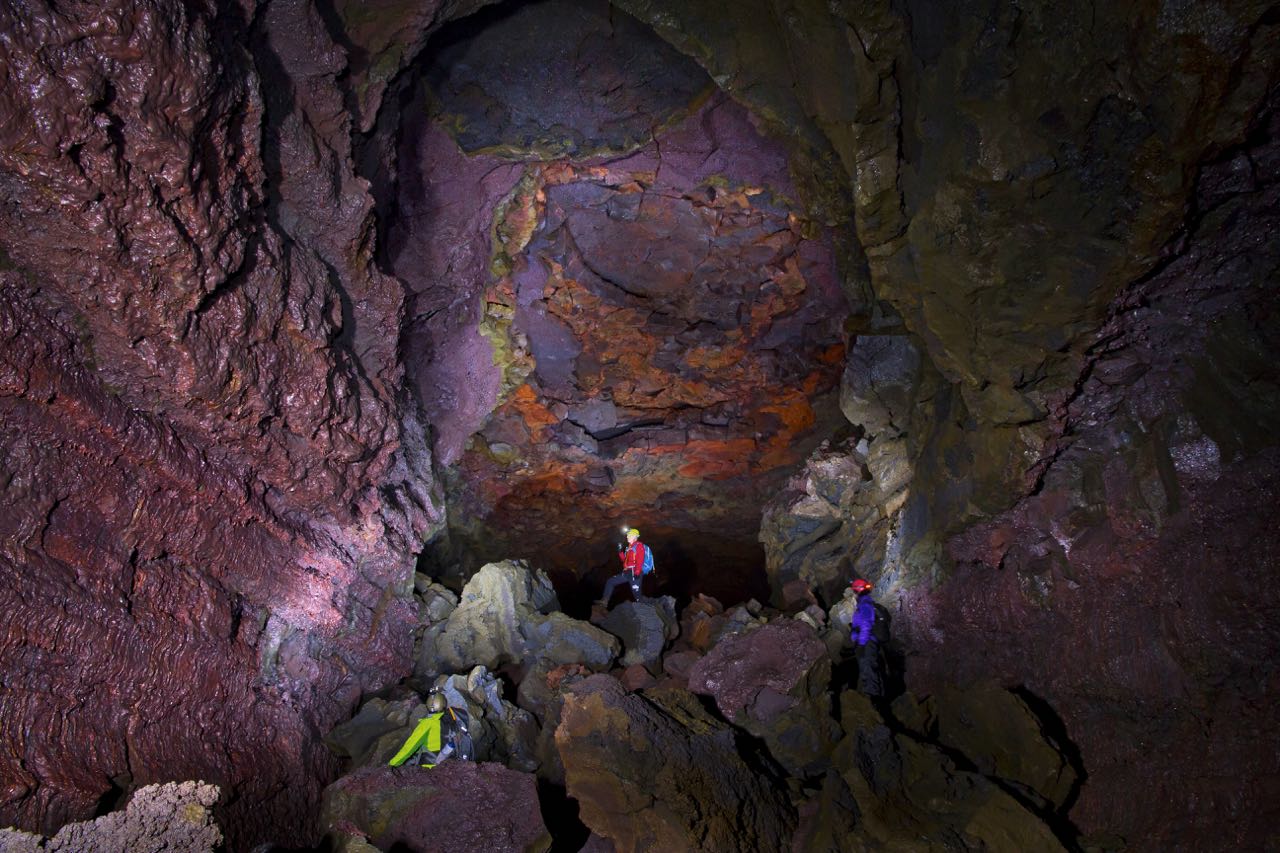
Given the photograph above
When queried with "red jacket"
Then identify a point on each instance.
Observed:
(633, 558)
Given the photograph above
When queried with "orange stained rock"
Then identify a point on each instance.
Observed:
(790, 279)
(794, 411)
(833, 354)
(778, 455)
(563, 479)
(717, 460)
(535, 415)
(714, 358)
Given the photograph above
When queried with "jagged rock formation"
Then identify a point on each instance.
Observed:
(252, 291)
(645, 628)
(774, 682)
(686, 781)
(890, 792)
(509, 614)
(157, 819)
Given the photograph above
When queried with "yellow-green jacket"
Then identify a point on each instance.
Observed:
(426, 737)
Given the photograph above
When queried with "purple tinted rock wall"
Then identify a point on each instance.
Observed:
(211, 496)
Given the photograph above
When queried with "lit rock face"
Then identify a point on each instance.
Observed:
(209, 495)
(773, 682)
(664, 321)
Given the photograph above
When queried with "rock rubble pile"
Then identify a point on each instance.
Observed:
(707, 729)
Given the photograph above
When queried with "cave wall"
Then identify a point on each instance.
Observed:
(1025, 190)
(1133, 588)
(212, 493)
(211, 470)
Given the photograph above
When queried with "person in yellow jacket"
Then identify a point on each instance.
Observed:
(440, 735)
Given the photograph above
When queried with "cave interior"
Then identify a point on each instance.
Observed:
(341, 341)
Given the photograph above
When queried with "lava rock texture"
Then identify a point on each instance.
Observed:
(267, 297)
(209, 492)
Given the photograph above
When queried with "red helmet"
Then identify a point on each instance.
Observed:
(860, 586)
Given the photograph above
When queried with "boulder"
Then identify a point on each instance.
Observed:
(509, 614)
(500, 731)
(645, 627)
(796, 596)
(158, 818)
(677, 665)
(834, 518)
(905, 790)
(657, 772)
(636, 677)
(487, 627)
(436, 601)
(540, 692)
(1004, 738)
(773, 683)
(376, 732)
(456, 806)
(561, 639)
(701, 622)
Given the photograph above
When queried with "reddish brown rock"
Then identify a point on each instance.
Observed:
(625, 382)
(208, 485)
(636, 677)
(659, 773)
(1131, 592)
(457, 805)
(773, 682)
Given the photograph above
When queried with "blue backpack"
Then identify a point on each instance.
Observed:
(648, 561)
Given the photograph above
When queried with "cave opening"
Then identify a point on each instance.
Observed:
(619, 310)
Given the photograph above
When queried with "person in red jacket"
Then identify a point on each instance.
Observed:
(632, 567)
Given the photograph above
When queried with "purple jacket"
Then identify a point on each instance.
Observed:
(863, 618)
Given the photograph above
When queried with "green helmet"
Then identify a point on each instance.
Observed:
(436, 703)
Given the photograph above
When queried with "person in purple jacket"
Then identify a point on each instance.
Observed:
(866, 636)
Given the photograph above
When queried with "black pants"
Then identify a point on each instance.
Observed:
(621, 577)
(870, 669)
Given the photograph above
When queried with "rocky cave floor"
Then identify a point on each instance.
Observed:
(644, 728)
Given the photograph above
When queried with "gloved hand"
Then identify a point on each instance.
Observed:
(619, 548)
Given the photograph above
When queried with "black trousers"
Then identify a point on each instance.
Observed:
(620, 578)
(870, 669)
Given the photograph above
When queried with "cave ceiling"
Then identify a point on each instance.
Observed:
(652, 329)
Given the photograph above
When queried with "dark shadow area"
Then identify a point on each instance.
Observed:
(560, 814)
(496, 78)
(1056, 731)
